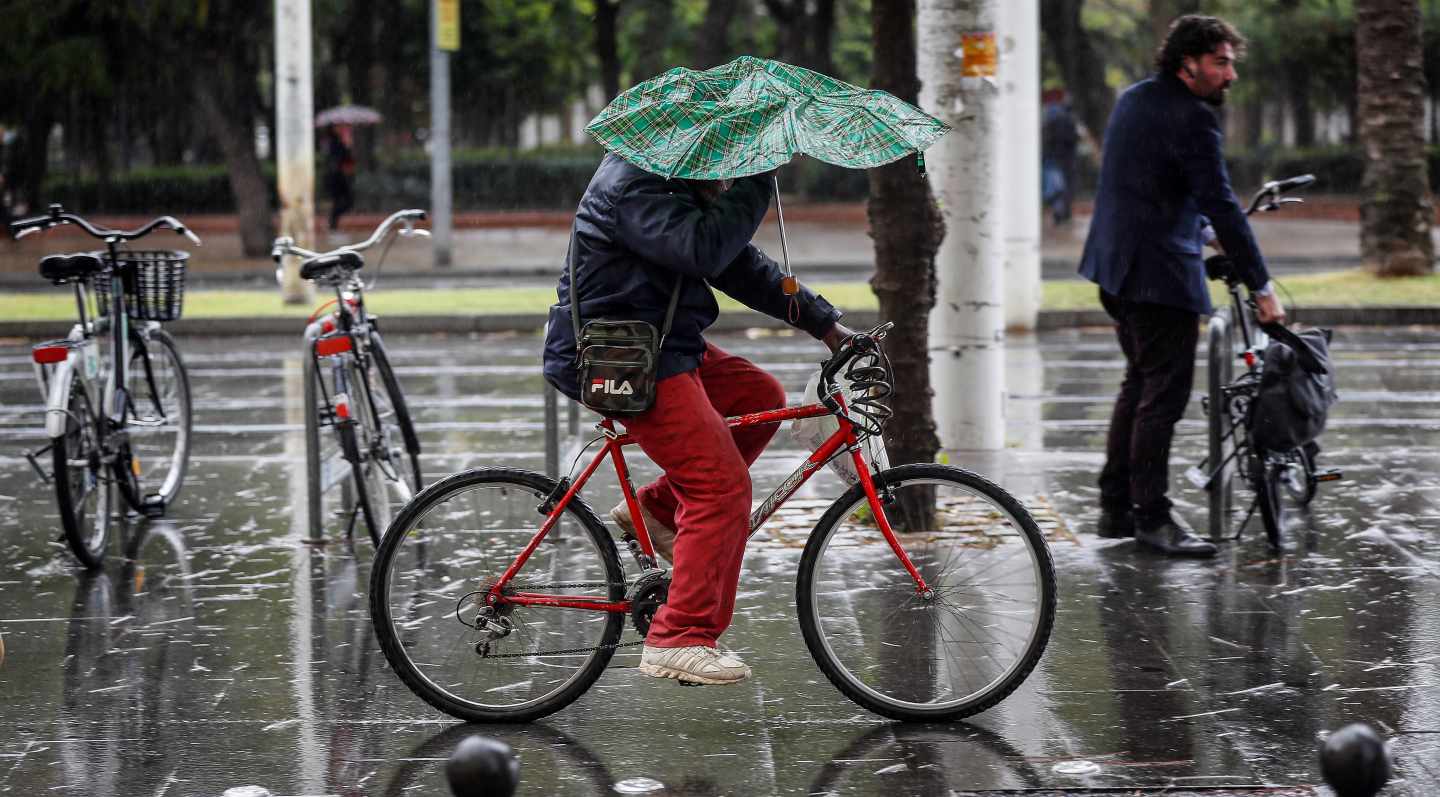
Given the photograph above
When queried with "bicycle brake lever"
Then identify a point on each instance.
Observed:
(27, 231)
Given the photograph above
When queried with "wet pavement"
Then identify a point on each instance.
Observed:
(218, 649)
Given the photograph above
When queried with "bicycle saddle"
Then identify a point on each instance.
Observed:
(324, 264)
(61, 268)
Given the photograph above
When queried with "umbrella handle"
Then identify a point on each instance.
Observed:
(789, 285)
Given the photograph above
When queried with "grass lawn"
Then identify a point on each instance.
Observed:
(1337, 288)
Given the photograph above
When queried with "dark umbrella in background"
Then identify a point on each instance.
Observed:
(347, 115)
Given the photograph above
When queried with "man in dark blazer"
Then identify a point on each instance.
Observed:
(1164, 192)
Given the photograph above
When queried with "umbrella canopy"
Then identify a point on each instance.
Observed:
(752, 115)
(347, 115)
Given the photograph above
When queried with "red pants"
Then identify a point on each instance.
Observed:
(704, 493)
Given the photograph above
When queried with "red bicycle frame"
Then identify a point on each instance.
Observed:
(843, 437)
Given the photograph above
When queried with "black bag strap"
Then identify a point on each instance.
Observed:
(575, 301)
(1303, 355)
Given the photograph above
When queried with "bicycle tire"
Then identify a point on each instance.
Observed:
(402, 411)
(1220, 491)
(1299, 477)
(437, 538)
(1265, 479)
(167, 384)
(853, 585)
(86, 523)
(367, 477)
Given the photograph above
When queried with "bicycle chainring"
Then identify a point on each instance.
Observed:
(646, 596)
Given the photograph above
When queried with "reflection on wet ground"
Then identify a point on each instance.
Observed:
(217, 649)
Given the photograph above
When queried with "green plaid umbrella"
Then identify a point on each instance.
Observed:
(752, 115)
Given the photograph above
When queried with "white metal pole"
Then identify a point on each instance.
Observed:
(294, 138)
(967, 326)
(1018, 181)
(440, 190)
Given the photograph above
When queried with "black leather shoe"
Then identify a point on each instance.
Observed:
(1114, 524)
(1175, 538)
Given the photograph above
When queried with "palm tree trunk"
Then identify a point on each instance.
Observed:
(1396, 209)
(906, 226)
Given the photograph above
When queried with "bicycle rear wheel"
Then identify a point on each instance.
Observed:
(83, 489)
(160, 419)
(442, 554)
(1298, 476)
(1266, 474)
(900, 654)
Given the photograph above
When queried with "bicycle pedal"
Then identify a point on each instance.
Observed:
(153, 506)
(1329, 475)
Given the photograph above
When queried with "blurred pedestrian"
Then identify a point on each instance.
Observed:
(1162, 182)
(1059, 139)
(339, 171)
(636, 237)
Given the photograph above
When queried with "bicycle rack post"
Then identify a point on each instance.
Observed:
(552, 431)
(1219, 342)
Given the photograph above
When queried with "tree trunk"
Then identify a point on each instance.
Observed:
(31, 160)
(1081, 67)
(906, 226)
(712, 38)
(359, 56)
(1162, 13)
(822, 37)
(607, 21)
(651, 60)
(790, 18)
(1297, 78)
(218, 89)
(1395, 210)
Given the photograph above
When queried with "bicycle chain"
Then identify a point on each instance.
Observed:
(567, 651)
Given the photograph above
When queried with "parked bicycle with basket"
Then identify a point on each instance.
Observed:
(1263, 426)
(351, 388)
(925, 592)
(117, 396)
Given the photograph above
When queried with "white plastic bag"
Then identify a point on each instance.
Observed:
(811, 432)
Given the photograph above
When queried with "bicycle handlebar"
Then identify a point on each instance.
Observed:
(285, 245)
(1269, 196)
(855, 345)
(57, 216)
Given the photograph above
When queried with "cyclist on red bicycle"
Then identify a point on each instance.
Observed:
(635, 234)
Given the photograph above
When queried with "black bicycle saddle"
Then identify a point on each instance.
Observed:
(63, 268)
(320, 266)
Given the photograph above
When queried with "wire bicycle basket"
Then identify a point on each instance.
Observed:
(154, 283)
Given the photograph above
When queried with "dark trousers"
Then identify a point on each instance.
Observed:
(1159, 344)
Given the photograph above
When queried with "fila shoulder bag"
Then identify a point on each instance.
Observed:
(617, 360)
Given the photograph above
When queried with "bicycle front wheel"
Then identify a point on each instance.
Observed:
(394, 415)
(83, 489)
(363, 440)
(959, 651)
(438, 561)
(160, 419)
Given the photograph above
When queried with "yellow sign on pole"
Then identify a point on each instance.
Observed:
(980, 54)
(447, 25)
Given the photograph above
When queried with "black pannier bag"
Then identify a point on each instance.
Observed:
(1297, 387)
(617, 360)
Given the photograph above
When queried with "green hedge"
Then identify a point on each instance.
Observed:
(555, 179)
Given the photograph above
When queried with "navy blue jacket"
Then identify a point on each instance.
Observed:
(1162, 176)
(635, 233)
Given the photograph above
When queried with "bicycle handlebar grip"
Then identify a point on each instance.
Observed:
(1292, 183)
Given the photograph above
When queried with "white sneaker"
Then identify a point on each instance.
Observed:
(695, 664)
(662, 537)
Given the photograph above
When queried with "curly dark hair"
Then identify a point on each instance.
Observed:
(1192, 36)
